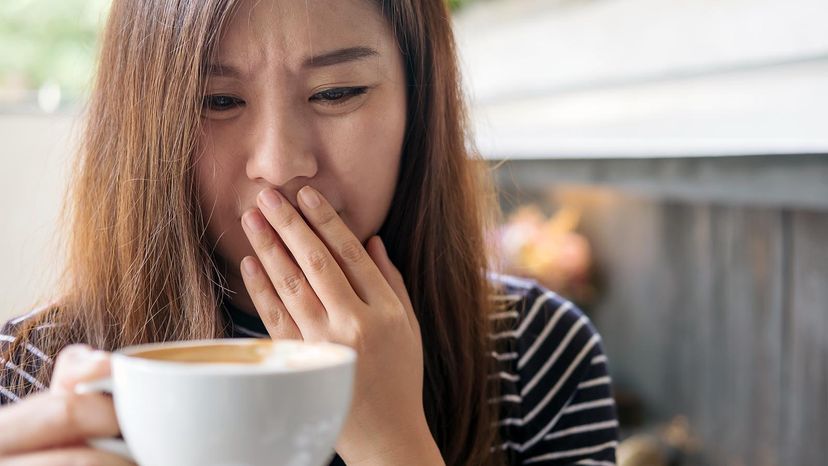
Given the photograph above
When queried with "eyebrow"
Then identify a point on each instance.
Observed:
(334, 57)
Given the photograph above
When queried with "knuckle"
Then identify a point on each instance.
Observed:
(287, 220)
(391, 321)
(327, 217)
(64, 413)
(71, 353)
(358, 338)
(257, 286)
(268, 244)
(290, 284)
(318, 260)
(352, 251)
(273, 317)
(398, 276)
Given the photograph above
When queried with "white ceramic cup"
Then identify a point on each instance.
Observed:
(287, 410)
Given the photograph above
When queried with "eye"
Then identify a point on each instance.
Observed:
(337, 95)
(220, 103)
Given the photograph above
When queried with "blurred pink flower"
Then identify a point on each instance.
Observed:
(548, 249)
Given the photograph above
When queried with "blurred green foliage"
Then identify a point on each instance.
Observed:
(455, 5)
(49, 41)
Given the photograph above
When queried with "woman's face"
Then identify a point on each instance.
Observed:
(301, 93)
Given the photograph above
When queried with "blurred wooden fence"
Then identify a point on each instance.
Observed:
(715, 293)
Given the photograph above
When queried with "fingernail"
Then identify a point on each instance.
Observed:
(92, 361)
(254, 221)
(309, 197)
(98, 355)
(271, 199)
(76, 352)
(248, 266)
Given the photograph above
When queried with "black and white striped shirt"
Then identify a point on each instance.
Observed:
(556, 404)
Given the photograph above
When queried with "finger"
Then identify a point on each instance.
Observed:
(79, 455)
(377, 251)
(54, 419)
(76, 364)
(352, 257)
(323, 273)
(275, 316)
(284, 275)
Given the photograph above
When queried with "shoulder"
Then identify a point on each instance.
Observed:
(540, 318)
(26, 330)
(23, 359)
(562, 385)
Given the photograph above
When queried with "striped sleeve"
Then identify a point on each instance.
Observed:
(17, 379)
(568, 413)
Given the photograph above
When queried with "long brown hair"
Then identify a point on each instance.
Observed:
(138, 269)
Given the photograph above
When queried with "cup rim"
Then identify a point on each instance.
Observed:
(126, 355)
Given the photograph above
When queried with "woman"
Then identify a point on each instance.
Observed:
(289, 169)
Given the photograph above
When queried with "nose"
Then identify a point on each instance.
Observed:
(281, 148)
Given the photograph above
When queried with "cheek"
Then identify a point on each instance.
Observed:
(366, 158)
(219, 170)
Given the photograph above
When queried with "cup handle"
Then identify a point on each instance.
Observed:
(108, 444)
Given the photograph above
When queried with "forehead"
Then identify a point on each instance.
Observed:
(288, 31)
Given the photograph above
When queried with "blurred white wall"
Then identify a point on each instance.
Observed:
(633, 78)
(35, 154)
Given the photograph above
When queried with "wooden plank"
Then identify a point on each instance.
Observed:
(749, 245)
(693, 259)
(806, 382)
